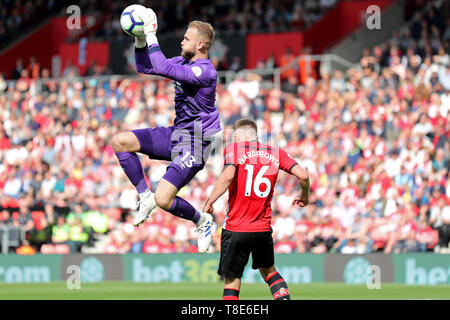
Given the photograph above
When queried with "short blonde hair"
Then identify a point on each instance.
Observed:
(245, 123)
(206, 30)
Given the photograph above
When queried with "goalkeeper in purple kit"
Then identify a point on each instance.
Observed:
(187, 143)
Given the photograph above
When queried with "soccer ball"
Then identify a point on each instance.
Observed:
(130, 21)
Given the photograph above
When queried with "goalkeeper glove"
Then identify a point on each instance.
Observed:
(140, 42)
(148, 16)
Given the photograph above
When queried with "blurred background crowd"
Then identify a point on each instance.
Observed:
(227, 16)
(375, 140)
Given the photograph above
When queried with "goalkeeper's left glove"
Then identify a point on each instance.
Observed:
(148, 16)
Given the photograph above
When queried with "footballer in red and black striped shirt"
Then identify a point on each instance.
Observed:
(251, 191)
(250, 173)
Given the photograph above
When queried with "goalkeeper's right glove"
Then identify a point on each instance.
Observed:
(148, 16)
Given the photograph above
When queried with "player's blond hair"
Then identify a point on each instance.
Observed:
(206, 30)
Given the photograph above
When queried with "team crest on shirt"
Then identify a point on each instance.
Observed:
(197, 71)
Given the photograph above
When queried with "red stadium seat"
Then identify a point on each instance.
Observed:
(38, 218)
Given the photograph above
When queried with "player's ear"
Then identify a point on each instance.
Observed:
(200, 45)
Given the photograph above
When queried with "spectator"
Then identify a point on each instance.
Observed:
(271, 62)
(61, 231)
(16, 74)
(440, 218)
(70, 70)
(77, 235)
(306, 67)
(12, 185)
(284, 245)
(329, 231)
(4, 217)
(337, 82)
(236, 64)
(25, 220)
(351, 247)
(404, 179)
(444, 76)
(439, 162)
(424, 236)
(291, 85)
(286, 60)
(49, 211)
(34, 68)
(355, 237)
(284, 225)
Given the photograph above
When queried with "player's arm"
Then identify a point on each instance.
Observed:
(143, 63)
(291, 166)
(221, 186)
(303, 178)
(192, 74)
(162, 66)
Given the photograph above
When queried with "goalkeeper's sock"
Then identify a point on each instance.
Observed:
(129, 161)
(278, 287)
(183, 209)
(230, 294)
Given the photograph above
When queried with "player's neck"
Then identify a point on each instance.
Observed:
(199, 55)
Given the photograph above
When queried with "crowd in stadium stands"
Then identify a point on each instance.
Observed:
(375, 140)
(227, 16)
(16, 15)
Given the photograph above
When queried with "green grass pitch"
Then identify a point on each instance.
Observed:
(208, 291)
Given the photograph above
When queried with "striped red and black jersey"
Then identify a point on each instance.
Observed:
(251, 191)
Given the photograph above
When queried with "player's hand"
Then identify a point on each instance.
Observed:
(208, 208)
(150, 21)
(300, 200)
(148, 16)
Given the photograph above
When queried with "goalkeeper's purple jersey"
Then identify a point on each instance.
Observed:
(195, 87)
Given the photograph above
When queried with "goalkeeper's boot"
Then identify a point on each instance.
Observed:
(147, 206)
(204, 233)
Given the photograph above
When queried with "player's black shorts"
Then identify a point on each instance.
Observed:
(236, 248)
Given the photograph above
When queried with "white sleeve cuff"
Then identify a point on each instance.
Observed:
(151, 39)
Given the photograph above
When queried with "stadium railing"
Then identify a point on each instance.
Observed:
(328, 63)
(11, 236)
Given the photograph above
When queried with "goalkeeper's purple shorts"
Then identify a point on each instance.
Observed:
(187, 153)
